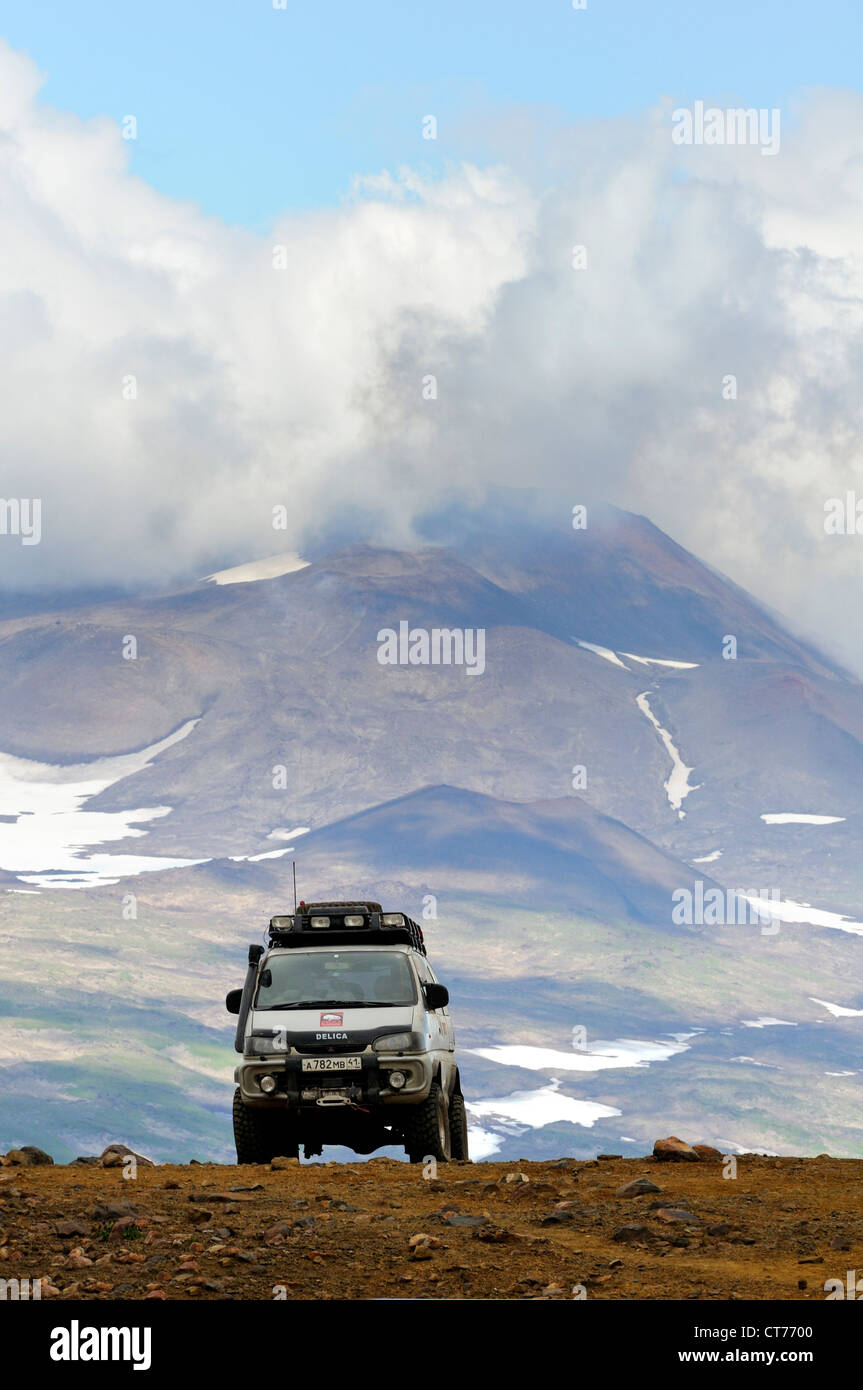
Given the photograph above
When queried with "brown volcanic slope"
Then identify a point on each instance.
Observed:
(777, 1231)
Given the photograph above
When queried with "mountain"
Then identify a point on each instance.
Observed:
(177, 751)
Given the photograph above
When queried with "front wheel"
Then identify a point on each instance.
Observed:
(261, 1135)
(428, 1129)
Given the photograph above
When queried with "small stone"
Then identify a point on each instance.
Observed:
(632, 1233)
(608, 1158)
(639, 1187)
(72, 1228)
(281, 1162)
(676, 1214)
(76, 1259)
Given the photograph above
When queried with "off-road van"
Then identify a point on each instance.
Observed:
(346, 1039)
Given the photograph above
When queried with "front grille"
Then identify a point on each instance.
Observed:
(323, 1049)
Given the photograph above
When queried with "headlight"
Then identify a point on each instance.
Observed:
(267, 1084)
(266, 1046)
(399, 1042)
(397, 1079)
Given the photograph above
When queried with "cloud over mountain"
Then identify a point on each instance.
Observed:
(169, 380)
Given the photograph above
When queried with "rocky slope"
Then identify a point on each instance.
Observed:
(551, 1230)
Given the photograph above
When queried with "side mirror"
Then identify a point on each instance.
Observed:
(232, 1000)
(437, 996)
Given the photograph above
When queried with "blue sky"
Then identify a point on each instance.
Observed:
(250, 110)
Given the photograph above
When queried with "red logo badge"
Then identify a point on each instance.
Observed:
(332, 1020)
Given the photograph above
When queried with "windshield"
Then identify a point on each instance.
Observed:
(360, 979)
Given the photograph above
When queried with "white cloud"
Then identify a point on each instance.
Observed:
(302, 386)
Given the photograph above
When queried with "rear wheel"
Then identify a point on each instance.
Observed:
(428, 1130)
(458, 1128)
(262, 1135)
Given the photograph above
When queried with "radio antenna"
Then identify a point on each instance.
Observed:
(294, 867)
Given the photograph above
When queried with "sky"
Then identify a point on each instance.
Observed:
(279, 295)
(251, 110)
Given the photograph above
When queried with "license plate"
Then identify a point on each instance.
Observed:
(332, 1064)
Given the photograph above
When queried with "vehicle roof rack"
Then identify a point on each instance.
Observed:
(344, 924)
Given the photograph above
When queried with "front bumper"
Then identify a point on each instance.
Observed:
(367, 1087)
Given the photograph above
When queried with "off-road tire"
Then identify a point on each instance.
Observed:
(261, 1135)
(458, 1128)
(427, 1133)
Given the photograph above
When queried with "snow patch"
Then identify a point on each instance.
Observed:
(624, 1052)
(677, 786)
(45, 845)
(270, 568)
(788, 911)
(793, 818)
(601, 651)
(544, 1106)
(838, 1011)
(656, 661)
(766, 1023)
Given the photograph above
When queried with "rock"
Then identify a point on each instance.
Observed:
(111, 1211)
(639, 1187)
(674, 1150)
(282, 1162)
(115, 1155)
(198, 1215)
(675, 1214)
(27, 1157)
(516, 1177)
(422, 1246)
(707, 1153)
(608, 1158)
(495, 1235)
(72, 1228)
(561, 1216)
(88, 1159)
(277, 1233)
(721, 1228)
(840, 1243)
(76, 1259)
(462, 1218)
(632, 1233)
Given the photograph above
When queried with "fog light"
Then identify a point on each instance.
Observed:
(397, 1079)
(267, 1084)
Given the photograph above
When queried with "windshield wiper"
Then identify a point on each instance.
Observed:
(335, 1003)
(315, 1004)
